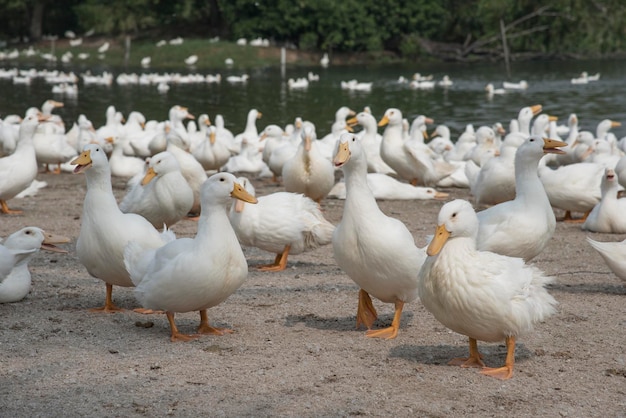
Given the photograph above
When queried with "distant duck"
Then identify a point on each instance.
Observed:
(15, 253)
(283, 223)
(229, 62)
(104, 48)
(445, 81)
(145, 62)
(520, 85)
(235, 79)
(491, 90)
(325, 60)
(191, 60)
(298, 83)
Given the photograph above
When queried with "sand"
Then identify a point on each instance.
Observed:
(296, 351)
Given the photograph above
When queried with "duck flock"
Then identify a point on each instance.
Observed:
(475, 275)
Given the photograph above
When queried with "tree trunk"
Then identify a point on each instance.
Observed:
(36, 21)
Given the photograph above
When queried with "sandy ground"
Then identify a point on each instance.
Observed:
(296, 351)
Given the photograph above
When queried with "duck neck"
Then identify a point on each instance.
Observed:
(215, 218)
(358, 193)
(99, 184)
(527, 180)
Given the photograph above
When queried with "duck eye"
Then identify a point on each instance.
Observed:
(454, 215)
(28, 232)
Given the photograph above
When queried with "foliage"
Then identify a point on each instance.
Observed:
(558, 27)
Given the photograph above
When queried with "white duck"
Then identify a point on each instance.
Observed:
(495, 182)
(104, 229)
(18, 170)
(281, 150)
(409, 159)
(608, 215)
(274, 137)
(206, 148)
(163, 196)
(283, 223)
(385, 187)
(123, 165)
(614, 255)
(573, 187)
(480, 294)
(308, 171)
(52, 147)
(190, 167)
(523, 226)
(250, 132)
(370, 140)
(377, 252)
(15, 279)
(194, 274)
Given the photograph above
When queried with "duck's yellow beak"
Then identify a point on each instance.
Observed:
(383, 121)
(343, 154)
(150, 174)
(82, 162)
(240, 193)
(439, 240)
(551, 146)
(536, 109)
(50, 240)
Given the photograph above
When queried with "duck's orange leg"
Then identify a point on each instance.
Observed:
(392, 331)
(280, 263)
(366, 313)
(5, 209)
(176, 335)
(205, 328)
(109, 306)
(505, 372)
(474, 359)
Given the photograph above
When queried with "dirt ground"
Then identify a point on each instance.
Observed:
(296, 351)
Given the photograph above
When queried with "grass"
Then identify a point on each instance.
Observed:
(211, 55)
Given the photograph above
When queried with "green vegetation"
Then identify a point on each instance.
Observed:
(410, 29)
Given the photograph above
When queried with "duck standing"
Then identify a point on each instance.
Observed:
(377, 252)
(104, 229)
(523, 226)
(19, 169)
(283, 223)
(480, 294)
(308, 171)
(194, 274)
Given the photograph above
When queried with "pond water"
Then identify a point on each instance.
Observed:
(465, 102)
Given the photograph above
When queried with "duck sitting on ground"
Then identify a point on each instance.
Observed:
(283, 223)
(15, 253)
(480, 294)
